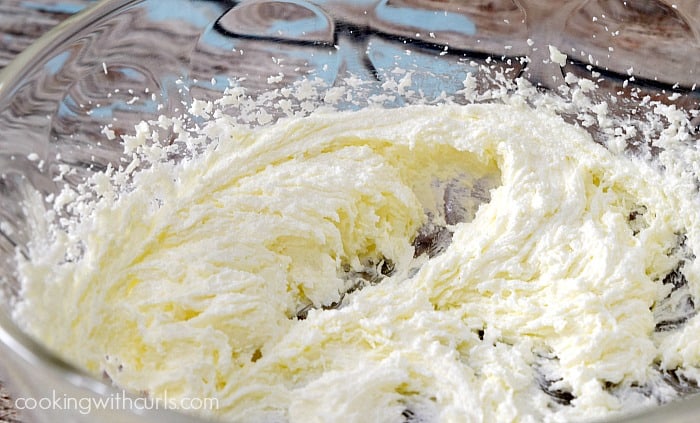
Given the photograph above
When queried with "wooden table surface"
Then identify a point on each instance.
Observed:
(22, 22)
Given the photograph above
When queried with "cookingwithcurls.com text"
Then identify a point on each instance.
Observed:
(117, 401)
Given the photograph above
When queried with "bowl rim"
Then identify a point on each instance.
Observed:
(14, 70)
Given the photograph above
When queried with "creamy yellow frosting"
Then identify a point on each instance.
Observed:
(440, 263)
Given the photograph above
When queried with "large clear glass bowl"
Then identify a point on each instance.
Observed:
(123, 61)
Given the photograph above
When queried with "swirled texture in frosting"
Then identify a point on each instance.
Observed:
(449, 263)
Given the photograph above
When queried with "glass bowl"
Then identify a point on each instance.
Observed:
(124, 61)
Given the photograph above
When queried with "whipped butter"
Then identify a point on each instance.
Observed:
(432, 263)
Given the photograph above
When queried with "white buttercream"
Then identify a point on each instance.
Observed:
(191, 283)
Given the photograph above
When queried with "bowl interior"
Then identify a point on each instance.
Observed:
(65, 103)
